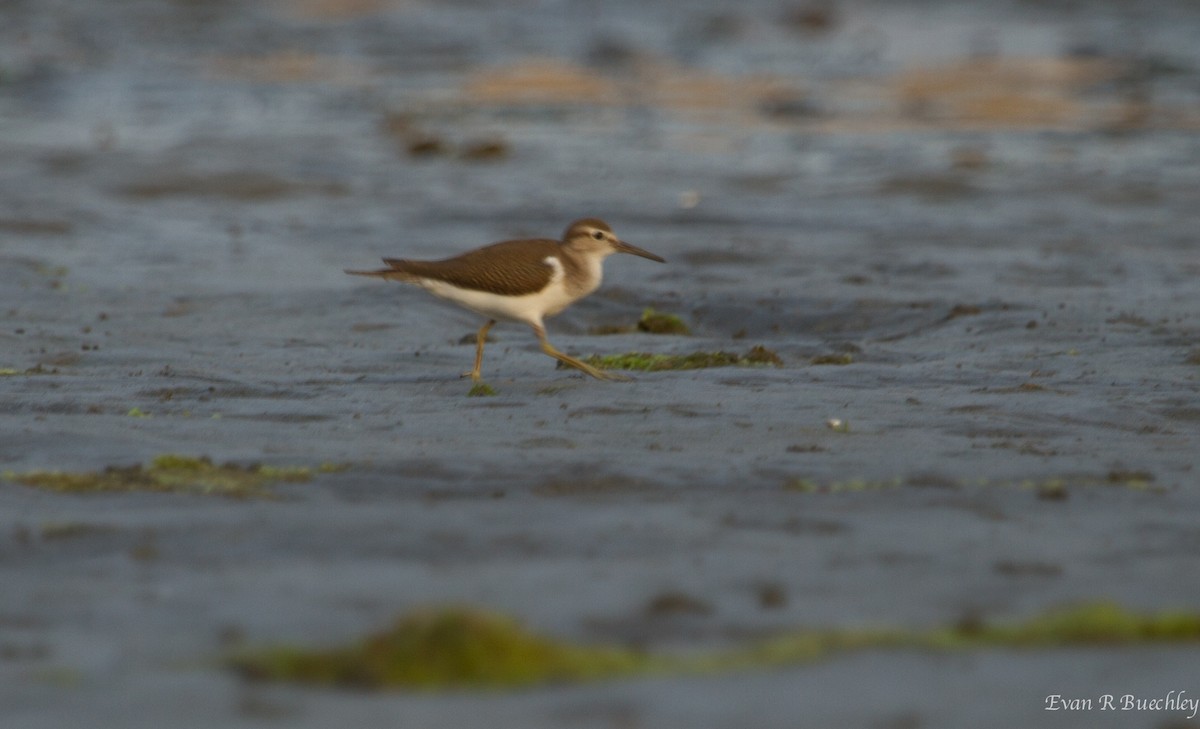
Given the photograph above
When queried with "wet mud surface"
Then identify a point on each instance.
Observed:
(969, 233)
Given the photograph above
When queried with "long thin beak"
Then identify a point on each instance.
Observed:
(623, 247)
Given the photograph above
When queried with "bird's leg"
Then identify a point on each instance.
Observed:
(480, 338)
(577, 364)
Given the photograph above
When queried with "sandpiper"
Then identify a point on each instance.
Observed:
(520, 280)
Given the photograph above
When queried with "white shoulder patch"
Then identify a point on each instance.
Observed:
(557, 266)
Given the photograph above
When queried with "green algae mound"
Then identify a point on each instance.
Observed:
(444, 648)
(172, 473)
(466, 648)
(648, 362)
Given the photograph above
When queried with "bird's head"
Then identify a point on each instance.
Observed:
(592, 236)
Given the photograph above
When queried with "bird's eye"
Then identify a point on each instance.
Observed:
(597, 235)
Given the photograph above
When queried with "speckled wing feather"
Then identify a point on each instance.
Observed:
(510, 268)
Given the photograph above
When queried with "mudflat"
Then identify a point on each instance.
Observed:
(966, 234)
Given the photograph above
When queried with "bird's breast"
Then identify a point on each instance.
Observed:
(583, 276)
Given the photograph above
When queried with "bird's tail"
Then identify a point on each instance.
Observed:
(388, 274)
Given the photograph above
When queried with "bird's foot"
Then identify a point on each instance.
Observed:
(587, 369)
(610, 376)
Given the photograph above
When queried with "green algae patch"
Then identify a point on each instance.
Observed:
(811, 486)
(646, 362)
(797, 648)
(443, 649)
(1099, 623)
(37, 369)
(1059, 488)
(1047, 489)
(172, 473)
(481, 389)
(658, 322)
(838, 425)
(465, 648)
(651, 322)
(838, 359)
(71, 530)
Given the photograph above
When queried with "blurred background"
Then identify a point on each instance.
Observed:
(354, 124)
(968, 229)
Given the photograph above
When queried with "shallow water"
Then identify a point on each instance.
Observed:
(993, 211)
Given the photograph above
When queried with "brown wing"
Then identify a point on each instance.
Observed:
(510, 268)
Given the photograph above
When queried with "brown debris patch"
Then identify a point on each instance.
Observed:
(542, 81)
(998, 93)
(290, 66)
(964, 310)
(1003, 91)
(1013, 92)
(1122, 476)
(31, 226)
(484, 150)
(1011, 568)
(686, 89)
(933, 188)
(333, 10)
(553, 81)
(420, 143)
(1021, 93)
(591, 486)
(235, 185)
(771, 595)
(812, 18)
(676, 603)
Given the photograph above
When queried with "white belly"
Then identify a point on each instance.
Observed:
(529, 309)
